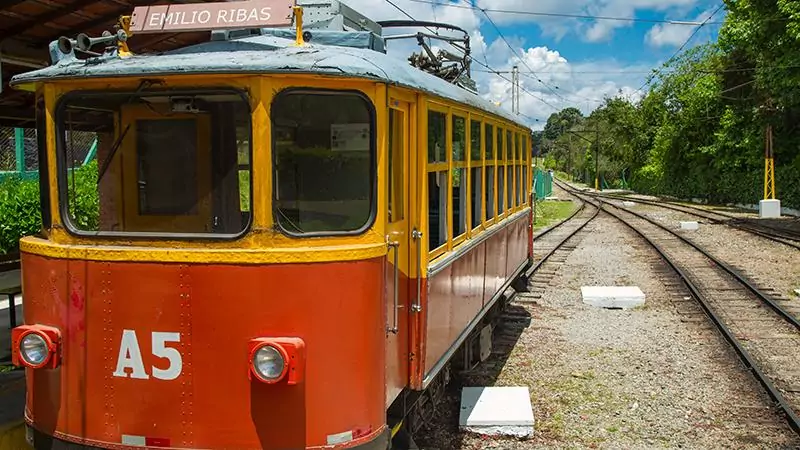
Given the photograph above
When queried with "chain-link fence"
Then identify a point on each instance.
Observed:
(19, 149)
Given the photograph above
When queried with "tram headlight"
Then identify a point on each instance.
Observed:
(277, 359)
(269, 363)
(33, 349)
(35, 346)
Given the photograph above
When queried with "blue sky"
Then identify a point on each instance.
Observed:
(582, 60)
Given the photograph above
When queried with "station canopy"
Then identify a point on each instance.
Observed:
(28, 26)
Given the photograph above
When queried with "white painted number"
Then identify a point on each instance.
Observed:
(130, 357)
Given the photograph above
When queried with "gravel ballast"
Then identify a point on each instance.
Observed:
(770, 264)
(652, 377)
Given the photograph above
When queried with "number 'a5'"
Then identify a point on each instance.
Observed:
(130, 356)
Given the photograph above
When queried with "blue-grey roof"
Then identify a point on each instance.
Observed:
(272, 53)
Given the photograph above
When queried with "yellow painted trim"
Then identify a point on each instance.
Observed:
(50, 95)
(261, 163)
(244, 256)
(449, 200)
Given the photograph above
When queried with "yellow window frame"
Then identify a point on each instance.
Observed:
(130, 189)
(437, 167)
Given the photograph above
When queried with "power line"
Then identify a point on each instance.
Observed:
(514, 51)
(677, 52)
(570, 16)
(489, 68)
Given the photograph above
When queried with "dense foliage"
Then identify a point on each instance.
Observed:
(699, 132)
(19, 211)
(20, 207)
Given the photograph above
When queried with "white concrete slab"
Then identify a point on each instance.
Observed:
(624, 297)
(628, 204)
(689, 225)
(769, 209)
(497, 411)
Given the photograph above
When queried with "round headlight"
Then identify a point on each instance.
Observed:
(269, 363)
(33, 349)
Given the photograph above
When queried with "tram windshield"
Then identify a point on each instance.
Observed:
(323, 152)
(174, 162)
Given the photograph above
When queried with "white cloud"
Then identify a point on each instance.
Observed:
(669, 35)
(557, 83)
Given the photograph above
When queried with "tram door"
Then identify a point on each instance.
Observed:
(398, 274)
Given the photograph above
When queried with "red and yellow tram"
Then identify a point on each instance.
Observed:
(276, 245)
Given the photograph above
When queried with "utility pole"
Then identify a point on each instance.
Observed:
(769, 207)
(596, 159)
(515, 90)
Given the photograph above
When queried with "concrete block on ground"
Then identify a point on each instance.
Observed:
(497, 411)
(624, 297)
(628, 204)
(690, 225)
(769, 209)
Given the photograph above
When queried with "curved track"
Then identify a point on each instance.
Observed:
(549, 241)
(777, 234)
(766, 339)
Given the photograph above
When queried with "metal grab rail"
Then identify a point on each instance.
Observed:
(417, 306)
(395, 325)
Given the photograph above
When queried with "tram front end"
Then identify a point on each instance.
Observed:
(210, 270)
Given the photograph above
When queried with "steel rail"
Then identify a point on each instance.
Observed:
(733, 272)
(774, 234)
(791, 417)
(535, 267)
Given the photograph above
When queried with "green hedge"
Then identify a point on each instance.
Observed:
(20, 208)
(19, 211)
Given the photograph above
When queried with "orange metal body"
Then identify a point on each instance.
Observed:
(216, 309)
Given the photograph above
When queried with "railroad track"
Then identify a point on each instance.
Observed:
(763, 334)
(552, 246)
(784, 236)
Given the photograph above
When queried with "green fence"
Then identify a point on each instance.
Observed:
(19, 156)
(542, 183)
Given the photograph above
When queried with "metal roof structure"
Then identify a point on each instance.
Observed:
(272, 52)
(28, 26)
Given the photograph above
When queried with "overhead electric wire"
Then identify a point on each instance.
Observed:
(490, 69)
(563, 15)
(677, 52)
(521, 59)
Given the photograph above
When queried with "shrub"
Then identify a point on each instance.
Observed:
(19, 211)
(20, 208)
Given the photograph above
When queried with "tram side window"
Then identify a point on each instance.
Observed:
(525, 168)
(155, 162)
(518, 171)
(476, 180)
(437, 179)
(501, 171)
(459, 176)
(509, 170)
(490, 171)
(323, 153)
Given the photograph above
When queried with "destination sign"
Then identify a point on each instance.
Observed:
(212, 16)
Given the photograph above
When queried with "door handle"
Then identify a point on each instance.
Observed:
(396, 246)
(417, 236)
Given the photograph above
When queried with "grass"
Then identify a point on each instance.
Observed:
(550, 212)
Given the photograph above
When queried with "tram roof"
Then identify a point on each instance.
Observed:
(332, 53)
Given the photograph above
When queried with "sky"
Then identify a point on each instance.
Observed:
(563, 61)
